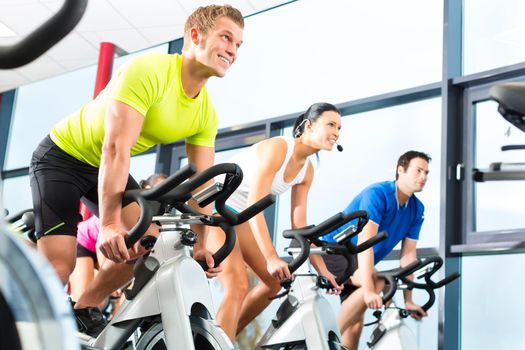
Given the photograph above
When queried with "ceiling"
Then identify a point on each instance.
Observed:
(132, 25)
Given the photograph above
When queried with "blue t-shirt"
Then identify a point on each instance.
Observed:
(380, 201)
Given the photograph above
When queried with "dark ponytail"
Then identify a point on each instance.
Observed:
(312, 114)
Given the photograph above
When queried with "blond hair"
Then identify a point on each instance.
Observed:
(204, 17)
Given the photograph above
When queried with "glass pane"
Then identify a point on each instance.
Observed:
(220, 156)
(491, 302)
(322, 53)
(494, 34)
(119, 61)
(373, 141)
(141, 167)
(39, 106)
(17, 194)
(498, 204)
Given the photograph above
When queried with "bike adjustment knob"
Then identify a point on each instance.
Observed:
(148, 241)
(323, 282)
(188, 238)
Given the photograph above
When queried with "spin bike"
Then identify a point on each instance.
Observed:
(390, 332)
(511, 105)
(32, 312)
(170, 304)
(305, 320)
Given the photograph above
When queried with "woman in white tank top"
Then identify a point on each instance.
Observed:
(273, 165)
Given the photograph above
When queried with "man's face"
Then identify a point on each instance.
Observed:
(415, 176)
(217, 49)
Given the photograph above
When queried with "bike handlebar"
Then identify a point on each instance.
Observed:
(352, 249)
(23, 221)
(44, 37)
(176, 190)
(309, 234)
(391, 276)
(429, 286)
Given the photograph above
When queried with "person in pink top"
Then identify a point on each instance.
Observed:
(88, 258)
(87, 236)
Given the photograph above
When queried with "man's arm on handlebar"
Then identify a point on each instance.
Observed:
(408, 255)
(122, 129)
(203, 158)
(367, 269)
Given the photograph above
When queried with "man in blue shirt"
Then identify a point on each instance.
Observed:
(392, 207)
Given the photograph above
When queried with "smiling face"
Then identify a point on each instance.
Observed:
(323, 133)
(217, 48)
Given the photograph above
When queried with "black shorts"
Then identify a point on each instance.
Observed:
(337, 264)
(58, 183)
(84, 252)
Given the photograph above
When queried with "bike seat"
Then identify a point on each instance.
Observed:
(511, 99)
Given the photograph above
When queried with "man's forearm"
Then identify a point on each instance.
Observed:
(113, 176)
(366, 263)
(407, 294)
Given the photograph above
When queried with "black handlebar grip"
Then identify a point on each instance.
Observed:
(184, 190)
(28, 218)
(390, 285)
(255, 208)
(371, 242)
(170, 182)
(228, 245)
(301, 258)
(446, 280)
(390, 276)
(310, 233)
(225, 249)
(431, 285)
(431, 300)
(228, 229)
(335, 222)
(146, 214)
(44, 37)
(311, 230)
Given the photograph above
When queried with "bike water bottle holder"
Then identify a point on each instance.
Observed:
(377, 334)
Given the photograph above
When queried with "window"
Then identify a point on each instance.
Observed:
(39, 106)
(335, 51)
(498, 205)
(489, 284)
(494, 34)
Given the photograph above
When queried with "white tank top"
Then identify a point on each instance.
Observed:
(248, 161)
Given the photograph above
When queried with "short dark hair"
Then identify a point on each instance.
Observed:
(406, 157)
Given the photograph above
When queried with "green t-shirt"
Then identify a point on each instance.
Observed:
(151, 84)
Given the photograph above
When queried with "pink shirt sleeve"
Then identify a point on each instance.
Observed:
(87, 233)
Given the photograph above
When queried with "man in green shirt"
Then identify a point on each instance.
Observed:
(156, 98)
